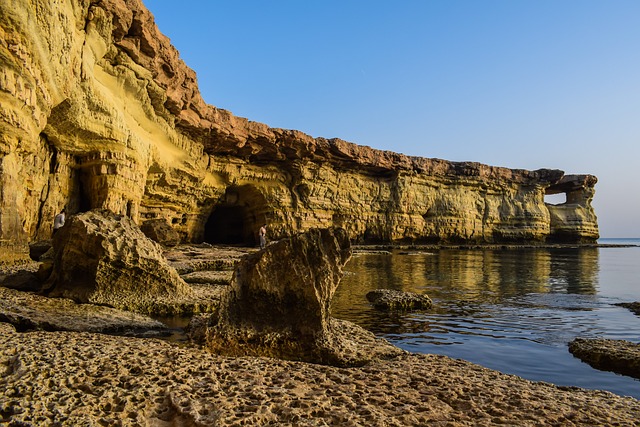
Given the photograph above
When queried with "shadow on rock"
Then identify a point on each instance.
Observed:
(278, 305)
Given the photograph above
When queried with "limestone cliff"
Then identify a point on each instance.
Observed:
(97, 110)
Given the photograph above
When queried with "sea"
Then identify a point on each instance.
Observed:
(514, 310)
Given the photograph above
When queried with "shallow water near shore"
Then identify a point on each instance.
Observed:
(513, 310)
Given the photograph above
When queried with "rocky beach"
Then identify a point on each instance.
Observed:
(72, 364)
(73, 378)
(101, 119)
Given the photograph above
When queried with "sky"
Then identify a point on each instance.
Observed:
(524, 84)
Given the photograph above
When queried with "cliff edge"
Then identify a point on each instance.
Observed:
(97, 110)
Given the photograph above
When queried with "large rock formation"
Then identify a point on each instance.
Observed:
(279, 303)
(103, 258)
(98, 111)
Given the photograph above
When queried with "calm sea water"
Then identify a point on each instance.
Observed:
(513, 310)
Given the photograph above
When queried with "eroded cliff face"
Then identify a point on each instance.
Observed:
(98, 111)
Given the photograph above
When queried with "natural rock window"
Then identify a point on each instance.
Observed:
(555, 199)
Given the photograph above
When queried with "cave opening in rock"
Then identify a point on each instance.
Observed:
(237, 216)
(82, 203)
(226, 224)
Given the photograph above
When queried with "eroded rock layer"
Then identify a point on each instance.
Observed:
(81, 379)
(97, 110)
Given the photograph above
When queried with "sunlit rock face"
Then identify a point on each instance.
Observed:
(103, 258)
(279, 305)
(98, 111)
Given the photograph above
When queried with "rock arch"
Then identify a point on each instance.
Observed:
(573, 220)
(237, 216)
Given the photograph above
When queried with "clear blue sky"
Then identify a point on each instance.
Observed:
(517, 83)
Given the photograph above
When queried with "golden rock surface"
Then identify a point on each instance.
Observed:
(71, 379)
(97, 110)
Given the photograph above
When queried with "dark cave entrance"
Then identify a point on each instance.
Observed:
(226, 224)
(82, 202)
(236, 218)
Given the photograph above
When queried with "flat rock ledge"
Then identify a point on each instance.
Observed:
(30, 312)
(390, 299)
(72, 379)
(618, 356)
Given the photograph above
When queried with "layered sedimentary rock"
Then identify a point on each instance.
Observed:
(31, 312)
(98, 111)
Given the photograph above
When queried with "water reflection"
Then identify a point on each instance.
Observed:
(460, 280)
(513, 310)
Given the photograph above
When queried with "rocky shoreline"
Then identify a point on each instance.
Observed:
(76, 373)
(72, 378)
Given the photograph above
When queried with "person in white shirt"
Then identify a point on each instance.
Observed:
(58, 222)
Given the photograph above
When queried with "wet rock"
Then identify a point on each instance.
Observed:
(389, 299)
(103, 258)
(28, 312)
(618, 356)
(633, 306)
(279, 301)
(161, 232)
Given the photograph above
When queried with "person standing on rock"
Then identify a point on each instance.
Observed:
(262, 234)
(58, 221)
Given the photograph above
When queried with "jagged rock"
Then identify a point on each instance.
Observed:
(161, 232)
(29, 312)
(633, 306)
(104, 258)
(278, 305)
(196, 330)
(390, 299)
(618, 356)
(97, 110)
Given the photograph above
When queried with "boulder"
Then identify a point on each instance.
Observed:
(278, 305)
(104, 258)
(620, 356)
(161, 232)
(390, 299)
(23, 280)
